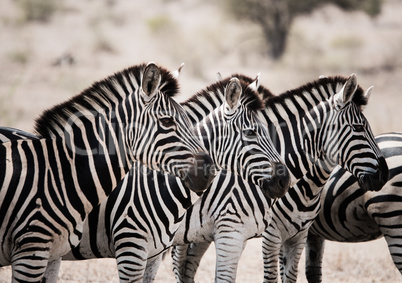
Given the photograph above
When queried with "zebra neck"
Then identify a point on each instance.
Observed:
(214, 138)
(203, 104)
(313, 182)
(96, 153)
(295, 132)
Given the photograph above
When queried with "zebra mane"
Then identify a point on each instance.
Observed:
(249, 97)
(264, 93)
(104, 93)
(319, 90)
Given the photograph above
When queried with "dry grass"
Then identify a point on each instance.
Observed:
(106, 36)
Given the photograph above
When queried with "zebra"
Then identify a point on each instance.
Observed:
(314, 127)
(139, 219)
(350, 214)
(286, 236)
(85, 146)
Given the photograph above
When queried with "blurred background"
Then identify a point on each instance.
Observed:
(52, 49)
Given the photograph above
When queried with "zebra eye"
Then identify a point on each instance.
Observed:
(358, 128)
(167, 122)
(250, 134)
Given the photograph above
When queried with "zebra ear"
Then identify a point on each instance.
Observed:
(345, 95)
(367, 95)
(176, 74)
(232, 96)
(256, 83)
(368, 92)
(151, 80)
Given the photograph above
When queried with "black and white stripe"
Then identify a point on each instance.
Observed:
(10, 134)
(350, 214)
(314, 127)
(138, 221)
(84, 148)
(293, 214)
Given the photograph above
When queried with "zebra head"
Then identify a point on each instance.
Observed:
(161, 138)
(348, 139)
(238, 142)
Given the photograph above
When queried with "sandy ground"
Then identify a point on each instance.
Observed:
(359, 266)
(346, 263)
(105, 36)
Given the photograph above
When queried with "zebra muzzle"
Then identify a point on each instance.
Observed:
(200, 175)
(278, 184)
(375, 182)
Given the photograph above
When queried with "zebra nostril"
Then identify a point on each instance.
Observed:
(182, 174)
(281, 184)
(282, 176)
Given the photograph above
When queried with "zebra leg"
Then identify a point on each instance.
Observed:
(290, 257)
(384, 209)
(186, 259)
(271, 247)
(229, 247)
(391, 228)
(179, 257)
(29, 267)
(152, 268)
(281, 264)
(132, 261)
(394, 243)
(314, 254)
(52, 271)
(195, 253)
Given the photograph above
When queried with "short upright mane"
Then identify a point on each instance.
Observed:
(249, 97)
(319, 90)
(263, 92)
(103, 93)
